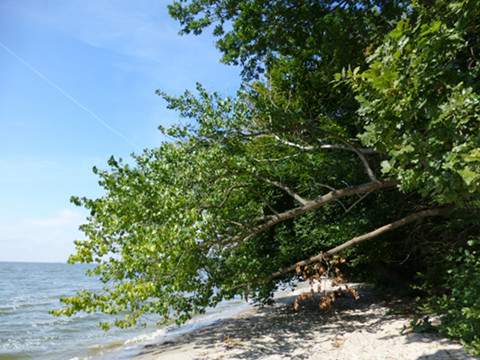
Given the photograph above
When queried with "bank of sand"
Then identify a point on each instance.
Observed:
(366, 329)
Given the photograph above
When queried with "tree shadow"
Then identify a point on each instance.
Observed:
(444, 354)
(281, 331)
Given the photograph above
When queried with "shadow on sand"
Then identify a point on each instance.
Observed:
(281, 331)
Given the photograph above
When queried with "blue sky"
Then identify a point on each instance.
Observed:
(77, 85)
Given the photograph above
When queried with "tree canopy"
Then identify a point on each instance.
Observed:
(356, 120)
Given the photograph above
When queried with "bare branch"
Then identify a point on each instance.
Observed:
(388, 227)
(298, 146)
(333, 189)
(304, 147)
(364, 151)
(360, 152)
(236, 223)
(226, 196)
(366, 165)
(271, 208)
(315, 204)
(358, 239)
(289, 191)
(277, 159)
(356, 203)
(327, 187)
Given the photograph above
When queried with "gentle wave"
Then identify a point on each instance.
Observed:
(28, 331)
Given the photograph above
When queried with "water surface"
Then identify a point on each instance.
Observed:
(27, 331)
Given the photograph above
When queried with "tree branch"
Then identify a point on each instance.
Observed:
(226, 196)
(289, 191)
(292, 144)
(366, 165)
(361, 152)
(358, 239)
(333, 189)
(277, 159)
(359, 200)
(364, 151)
(315, 204)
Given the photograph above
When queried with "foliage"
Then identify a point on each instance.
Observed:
(419, 99)
(421, 104)
(309, 33)
(167, 234)
(459, 307)
(352, 115)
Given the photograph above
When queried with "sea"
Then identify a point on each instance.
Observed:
(28, 291)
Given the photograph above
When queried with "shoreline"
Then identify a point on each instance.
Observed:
(366, 329)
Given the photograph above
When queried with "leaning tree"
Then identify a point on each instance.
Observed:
(356, 120)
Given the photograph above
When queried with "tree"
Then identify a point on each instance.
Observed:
(420, 103)
(355, 121)
(213, 215)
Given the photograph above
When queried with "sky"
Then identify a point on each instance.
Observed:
(77, 85)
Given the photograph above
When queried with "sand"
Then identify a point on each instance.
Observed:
(369, 328)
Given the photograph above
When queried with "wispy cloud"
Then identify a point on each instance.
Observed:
(141, 29)
(140, 35)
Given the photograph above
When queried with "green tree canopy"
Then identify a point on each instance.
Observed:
(356, 120)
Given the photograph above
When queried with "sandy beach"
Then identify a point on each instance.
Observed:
(369, 328)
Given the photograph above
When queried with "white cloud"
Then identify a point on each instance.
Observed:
(141, 29)
(47, 239)
(140, 35)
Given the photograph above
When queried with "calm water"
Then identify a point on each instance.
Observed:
(27, 331)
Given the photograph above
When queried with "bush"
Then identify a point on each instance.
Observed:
(459, 305)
